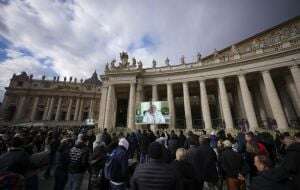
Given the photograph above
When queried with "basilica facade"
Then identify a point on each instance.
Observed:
(253, 84)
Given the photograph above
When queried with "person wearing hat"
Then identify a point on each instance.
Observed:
(231, 166)
(154, 174)
(78, 162)
(116, 167)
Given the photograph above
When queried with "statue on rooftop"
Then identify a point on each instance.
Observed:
(113, 64)
(216, 53)
(140, 65)
(106, 67)
(133, 62)
(199, 56)
(153, 63)
(124, 59)
(182, 60)
(167, 62)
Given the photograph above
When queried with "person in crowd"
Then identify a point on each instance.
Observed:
(132, 140)
(208, 166)
(114, 140)
(291, 164)
(79, 162)
(98, 141)
(52, 142)
(106, 138)
(173, 144)
(185, 170)
(231, 166)
(16, 159)
(144, 144)
(162, 139)
(265, 180)
(195, 159)
(181, 139)
(97, 162)
(62, 162)
(190, 136)
(155, 174)
(116, 167)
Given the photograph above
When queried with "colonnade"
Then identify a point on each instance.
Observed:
(271, 94)
(53, 105)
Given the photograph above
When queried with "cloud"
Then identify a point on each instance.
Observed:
(75, 37)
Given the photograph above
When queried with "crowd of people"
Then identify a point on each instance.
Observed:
(144, 159)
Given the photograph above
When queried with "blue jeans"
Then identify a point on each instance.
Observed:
(117, 187)
(75, 180)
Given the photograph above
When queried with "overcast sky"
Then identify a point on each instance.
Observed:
(76, 37)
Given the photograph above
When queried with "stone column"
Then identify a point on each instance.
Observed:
(259, 104)
(131, 107)
(240, 106)
(45, 114)
(50, 108)
(57, 114)
(154, 98)
(170, 97)
(296, 76)
(76, 109)
(102, 107)
(227, 116)
(139, 93)
(205, 106)
(34, 108)
(19, 112)
(91, 110)
(274, 100)
(69, 110)
(4, 104)
(292, 91)
(265, 100)
(80, 110)
(154, 93)
(248, 104)
(187, 106)
(108, 107)
(3, 107)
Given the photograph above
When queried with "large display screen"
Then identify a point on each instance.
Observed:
(155, 112)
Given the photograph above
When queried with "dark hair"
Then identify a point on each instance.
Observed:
(265, 160)
(194, 139)
(204, 140)
(155, 150)
(16, 142)
(250, 134)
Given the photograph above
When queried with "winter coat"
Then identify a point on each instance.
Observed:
(265, 181)
(120, 162)
(15, 160)
(186, 174)
(231, 163)
(291, 165)
(172, 146)
(79, 158)
(204, 161)
(154, 175)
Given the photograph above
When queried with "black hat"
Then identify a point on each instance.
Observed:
(155, 150)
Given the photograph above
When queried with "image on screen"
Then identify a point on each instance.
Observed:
(155, 112)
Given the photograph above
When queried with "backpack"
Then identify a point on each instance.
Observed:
(111, 167)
